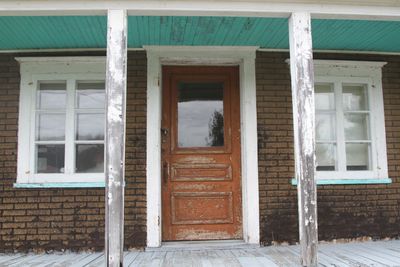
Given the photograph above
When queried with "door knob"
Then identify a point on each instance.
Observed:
(164, 131)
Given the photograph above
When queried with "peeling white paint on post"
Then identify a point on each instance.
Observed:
(302, 76)
(115, 135)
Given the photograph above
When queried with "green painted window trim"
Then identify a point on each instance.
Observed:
(349, 181)
(60, 185)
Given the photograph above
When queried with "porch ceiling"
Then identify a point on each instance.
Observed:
(64, 32)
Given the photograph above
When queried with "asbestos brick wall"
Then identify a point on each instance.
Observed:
(135, 169)
(56, 219)
(344, 211)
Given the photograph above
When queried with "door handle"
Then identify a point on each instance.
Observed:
(164, 131)
(165, 172)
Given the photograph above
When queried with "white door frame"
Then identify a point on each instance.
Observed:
(244, 57)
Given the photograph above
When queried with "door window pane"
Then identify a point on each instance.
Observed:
(356, 126)
(50, 127)
(357, 157)
(200, 114)
(324, 97)
(326, 157)
(51, 96)
(325, 127)
(50, 158)
(90, 127)
(90, 158)
(91, 95)
(355, 97)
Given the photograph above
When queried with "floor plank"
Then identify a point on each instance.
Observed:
(371, 254)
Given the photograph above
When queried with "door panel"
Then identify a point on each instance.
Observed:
(201, 189)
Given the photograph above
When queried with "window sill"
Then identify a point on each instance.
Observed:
(60, 185)
(349, 181)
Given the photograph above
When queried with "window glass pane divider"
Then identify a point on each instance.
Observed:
(93, 110)
(340, 146)
(358, 141)
(89, 142)
(356, 112)
(50, 142)
(326, 141)
(70, 128)
(32, 155)
(325, 111)
(372, 127)
(50, 111)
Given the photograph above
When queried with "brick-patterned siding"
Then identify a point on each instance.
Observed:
(55, 219)
(135, 169)
(344, 211)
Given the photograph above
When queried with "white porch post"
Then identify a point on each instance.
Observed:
(302, 76)
(115, 135)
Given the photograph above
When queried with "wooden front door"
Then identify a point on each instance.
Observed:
(201, 188)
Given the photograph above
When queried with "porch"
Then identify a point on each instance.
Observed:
(379, 253)
(215, 35)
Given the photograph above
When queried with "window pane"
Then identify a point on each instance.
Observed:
(326, 157)
(50, 127)
(90, 127)
(51, 96)
(50, 158)
(200, 114)
(324, 97)
(325, 127)
(357, 156)
(91, 95)
(356, 126)
(89, 158)
(355, 97)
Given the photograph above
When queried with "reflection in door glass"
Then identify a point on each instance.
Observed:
(200, 114)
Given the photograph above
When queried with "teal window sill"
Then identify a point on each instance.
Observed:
(60, 185)
(349, 181)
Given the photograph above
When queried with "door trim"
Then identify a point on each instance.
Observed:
(244, 57)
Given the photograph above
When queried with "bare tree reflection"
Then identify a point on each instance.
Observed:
(216, 129)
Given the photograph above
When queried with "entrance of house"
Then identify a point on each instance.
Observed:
(201, 187)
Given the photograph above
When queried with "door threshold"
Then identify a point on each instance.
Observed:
(203, 245)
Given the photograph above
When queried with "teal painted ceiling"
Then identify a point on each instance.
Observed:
(90, 32)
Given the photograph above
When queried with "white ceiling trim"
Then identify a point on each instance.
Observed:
(345, 9)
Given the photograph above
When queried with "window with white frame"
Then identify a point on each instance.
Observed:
(61, 129)
(349, 120)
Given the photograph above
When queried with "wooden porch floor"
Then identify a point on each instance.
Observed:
(380, 253)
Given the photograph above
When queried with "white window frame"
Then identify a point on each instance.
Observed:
(33, 71)
(356, 72)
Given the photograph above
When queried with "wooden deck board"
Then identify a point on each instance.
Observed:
(371, 254)
(130, 257)
(99, 261)
(384, 251)
(354, 258)
(379, 258)
(86, 261)
(7, 257)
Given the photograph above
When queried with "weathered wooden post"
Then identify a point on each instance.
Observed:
(302, 75)
(115, 135)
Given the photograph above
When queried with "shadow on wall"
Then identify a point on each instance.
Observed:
(372, 223)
